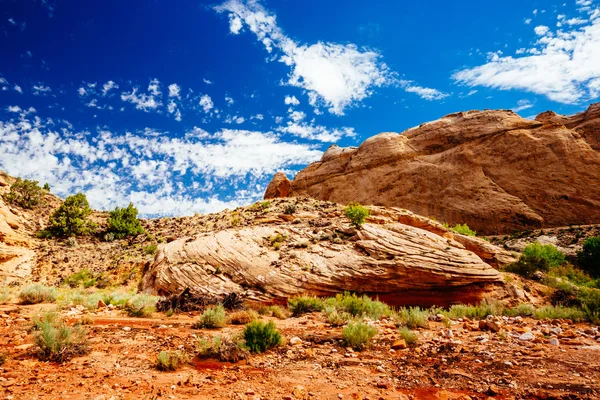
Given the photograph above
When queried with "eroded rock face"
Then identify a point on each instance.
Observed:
(280, 186)
(415, 261)
(493, 170)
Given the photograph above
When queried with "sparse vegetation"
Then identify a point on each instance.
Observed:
(409, 336)
(37, 293)
(5, 295)
(412, 317)
(141, 305)
(358, 335)
(335, 317)
(84, 278)
(212, 318)
(223, 349)
(537, 257)
(589, 256)
(289, 209)
(123, 222)
(359, 306)
(356, 213)
(464, 229)
(523, 310)
(56, 341)
(304, 304)
(71, 218)
(151, 249)
(559, 312)
(170, 360)
(260, 337)
(480, 311)
(24, 193)
(242, 317)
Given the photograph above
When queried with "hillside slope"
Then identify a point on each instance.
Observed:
(493, 170)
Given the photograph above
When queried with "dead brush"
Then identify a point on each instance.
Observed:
(242, 317)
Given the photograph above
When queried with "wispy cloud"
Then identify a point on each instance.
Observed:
(145, 101)
(522, 105)
(41, 90)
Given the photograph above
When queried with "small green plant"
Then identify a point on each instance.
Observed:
(38, 293)
(170, 360)
(224, 349)
(46, 187)
(358, 335)
(242, 317)
(464, 229)
(24, 193)
(43, 234)
(212, 318)
(141, 306)
(277, 239)
(71, 218)
(523, 310)
(335, 317)
(260, 337)
(359, 306)
(84, 278)
(56, 341)
(409, 336)
(537, 257)
(589, 256)
(304, 304)
(123, 222)
(150, 249)
(289, 209)
(356, 213)
(412, 317)
(480, 311)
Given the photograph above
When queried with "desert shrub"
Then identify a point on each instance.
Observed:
(38, 293)
(359, 306)
(212, 318)
(24, 193)
(84, 278)
(274, 311)
(304, 304)
(480, 311)
(412, 317)
(124, 222)
(56, 341)
(574, 275)
(141, 305)
(335, 317)
(43, 234)
(559, 312)
(260, 337)
(290, 209)
(277, 239)
(409, 336)
(71, 218)
(358, 334)
(589, 256)
(242, 317)
(589, 298)
(523, 310)
(536, 257)
(224, 349)
(170, 360)
(4, 295)
(356, 213)
(46, 187)
(150, 249)
(464, 229)
(117, 298)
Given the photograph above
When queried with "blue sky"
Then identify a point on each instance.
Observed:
(190, 106)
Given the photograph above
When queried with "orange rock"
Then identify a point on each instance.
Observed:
(399, 344)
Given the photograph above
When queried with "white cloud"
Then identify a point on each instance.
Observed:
(174, 90)
(522, 105)
(206, 103)
(173, 109)
(153, 169)
(297, 116)
(291, 100)
(82, 92)
(208, 82)
(527, 21)
(108, 86)
(335, 75)
(41, 90)
(13, 109)
(18, 89)
(154, 88)
(541, 30)
(229, 100)
(316, 132)
(423, 92)
(562, 65)
(143, 101)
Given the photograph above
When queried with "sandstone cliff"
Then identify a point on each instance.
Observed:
(397, 256)
(493, 170)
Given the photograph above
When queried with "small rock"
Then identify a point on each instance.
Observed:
(296, 341)
(299, 392)
(554, 342)
(126, 328)
(527, 336)
(383, 384)
(399, 344)
(101, 304)
(493, 326)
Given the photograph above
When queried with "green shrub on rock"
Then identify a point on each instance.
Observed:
(24, 193)
(356, 213)
(260, 337)
(124, 222)
(71, 218)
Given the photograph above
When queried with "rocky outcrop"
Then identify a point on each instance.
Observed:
(280, 186)
(493, 170)
(396, 255)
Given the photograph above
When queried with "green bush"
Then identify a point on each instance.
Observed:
(212, 318)
(170, 360)
(84, 278)
(559, 312)
(141, 306)
(412, 317)
(589, 256)
(356, 213)
(38, 293)
(537, 257)
(480, 311)
(464, 230)
(335, 317)
(304, 304)
(358, 334)
(71, 218)
(290, 209)
(224, 349)
(409, 336)
(356, 306)
(4, 295)
(46, 187)
(124, 222)
(150, 249)
(523, 310)
(24, 193)
(56, 341)
(260, 337)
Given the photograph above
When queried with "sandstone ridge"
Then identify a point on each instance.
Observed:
(491, 169)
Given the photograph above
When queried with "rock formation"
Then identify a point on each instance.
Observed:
(493, 170)
(397, 256)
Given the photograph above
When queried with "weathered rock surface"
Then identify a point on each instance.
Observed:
(493, 170)
(396, 255)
